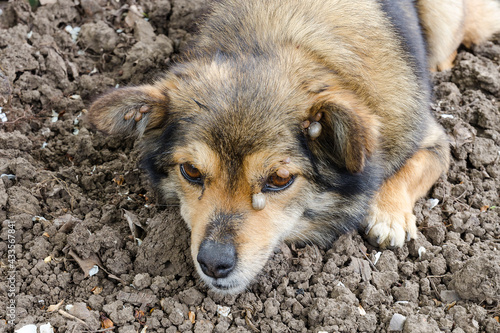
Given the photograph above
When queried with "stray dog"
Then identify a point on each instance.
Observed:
(298, 121)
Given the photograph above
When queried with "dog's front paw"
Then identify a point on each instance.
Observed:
(389, 229)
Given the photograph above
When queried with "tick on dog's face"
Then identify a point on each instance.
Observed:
(250, 167)
(232, 235)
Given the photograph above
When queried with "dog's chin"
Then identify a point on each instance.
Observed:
(233, 284)
(227, 286)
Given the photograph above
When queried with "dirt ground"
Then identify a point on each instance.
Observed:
(73, 201)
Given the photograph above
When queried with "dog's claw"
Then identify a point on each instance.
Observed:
(389, 230)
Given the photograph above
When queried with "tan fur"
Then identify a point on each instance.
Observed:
(448, 23)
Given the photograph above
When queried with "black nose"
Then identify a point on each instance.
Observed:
(216, 260)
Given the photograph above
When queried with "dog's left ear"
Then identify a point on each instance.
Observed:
(130, 111)
(349, 134)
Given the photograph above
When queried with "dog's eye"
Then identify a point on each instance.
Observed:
(191, 173)
(277, 183)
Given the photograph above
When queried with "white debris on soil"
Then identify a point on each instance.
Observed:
(433, 203)
(377, 257)
(27, 329)
(55, 116)
(3, 117)
(397, 322)
(421, 252)
(73, 32)
(94, 270)
(46, 328)
(447, 116)
(223, 311)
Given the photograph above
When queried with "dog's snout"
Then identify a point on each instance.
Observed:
(216, 260)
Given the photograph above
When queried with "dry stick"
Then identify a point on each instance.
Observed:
(101, 330)
(371, 263)
(67, 189)
(69, 316)
(435, 290)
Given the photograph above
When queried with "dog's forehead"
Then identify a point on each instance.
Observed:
(236, 110)
(232, 140)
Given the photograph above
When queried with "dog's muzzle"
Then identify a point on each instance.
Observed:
(216, 260)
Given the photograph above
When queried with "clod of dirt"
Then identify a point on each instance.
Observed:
(144, 55)
(99, 37)
(5, 89)
(479, 279)
(80, 311)
(163, 252)
(472, 72)
(420, 323)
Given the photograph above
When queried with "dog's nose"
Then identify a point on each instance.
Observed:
(216, 260)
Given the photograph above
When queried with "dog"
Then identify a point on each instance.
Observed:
(297, 121)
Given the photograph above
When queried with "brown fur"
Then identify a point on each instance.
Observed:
(236, 106)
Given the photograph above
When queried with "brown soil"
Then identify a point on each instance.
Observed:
(71, 198)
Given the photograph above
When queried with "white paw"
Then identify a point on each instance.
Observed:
(390, 229)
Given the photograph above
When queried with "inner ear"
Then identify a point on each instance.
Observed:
(130, 111)
(348, 136)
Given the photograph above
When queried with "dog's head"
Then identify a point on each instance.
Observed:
(228, 138)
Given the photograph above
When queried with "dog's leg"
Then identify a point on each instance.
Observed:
(482, 20)
(443, 26)
(447, 23)
(391, 220)
(446, 64)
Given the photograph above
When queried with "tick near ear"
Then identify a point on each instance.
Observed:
(312, 126)
(314, 130)
(137, 115)
(129, 111)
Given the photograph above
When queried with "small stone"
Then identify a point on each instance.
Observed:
(449, 296)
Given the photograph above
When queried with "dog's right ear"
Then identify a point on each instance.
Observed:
(130, 111)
